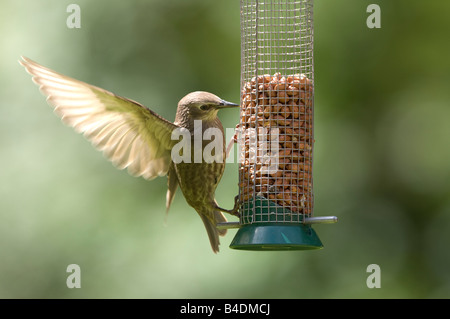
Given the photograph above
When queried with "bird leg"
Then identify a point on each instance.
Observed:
(232, 141)
(233, 211)
(230, 145)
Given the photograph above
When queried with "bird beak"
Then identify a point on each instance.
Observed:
(225, 104)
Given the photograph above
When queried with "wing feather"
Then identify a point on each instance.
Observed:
(129, 134)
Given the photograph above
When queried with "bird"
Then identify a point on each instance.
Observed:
(134, 137)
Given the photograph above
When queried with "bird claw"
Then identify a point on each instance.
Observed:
(235, 210)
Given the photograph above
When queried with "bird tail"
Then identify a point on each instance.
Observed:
(211, 229)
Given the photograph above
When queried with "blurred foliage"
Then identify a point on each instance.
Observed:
(382, 156)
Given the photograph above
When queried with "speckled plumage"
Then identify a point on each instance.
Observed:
(198, 181)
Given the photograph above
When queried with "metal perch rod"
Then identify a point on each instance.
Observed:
(308, 220)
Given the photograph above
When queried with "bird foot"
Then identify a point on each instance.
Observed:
(234, 211)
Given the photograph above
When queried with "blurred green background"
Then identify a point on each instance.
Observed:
(382, 155)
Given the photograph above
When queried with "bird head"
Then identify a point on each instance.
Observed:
(201, 106)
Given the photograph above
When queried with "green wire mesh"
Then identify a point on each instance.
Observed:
(277, 105)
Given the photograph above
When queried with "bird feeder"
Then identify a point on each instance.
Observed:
(276, 130)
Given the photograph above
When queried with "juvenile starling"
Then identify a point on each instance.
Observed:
(134, 137)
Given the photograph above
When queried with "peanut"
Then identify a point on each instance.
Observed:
(285, 103)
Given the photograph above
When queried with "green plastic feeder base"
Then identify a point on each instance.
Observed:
(261, 230)
(271, 236)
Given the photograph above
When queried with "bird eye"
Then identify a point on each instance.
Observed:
(204, 107)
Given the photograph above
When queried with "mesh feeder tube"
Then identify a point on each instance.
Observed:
(276, 129)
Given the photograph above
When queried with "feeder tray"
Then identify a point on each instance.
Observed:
(276, 131)
(263, 231)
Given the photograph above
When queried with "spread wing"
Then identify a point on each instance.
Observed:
(128, 133)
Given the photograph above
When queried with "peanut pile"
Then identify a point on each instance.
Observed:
(283, 103)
